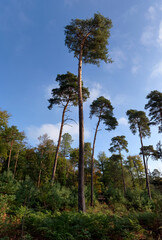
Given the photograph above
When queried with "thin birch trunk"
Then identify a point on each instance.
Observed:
(40, 172)
(147, 178)
(92, 160)
(59, 142)
(124, 185)
(9, 158)
(17, 157)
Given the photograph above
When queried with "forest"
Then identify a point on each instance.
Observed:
(55, 191)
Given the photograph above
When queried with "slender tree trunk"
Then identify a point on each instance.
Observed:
(132, 178)
(39, 177)
(81, 197)
(137, 172)
(92, 160)
(17, 157)
(146, 173)
(9, 158)
(58, 144)
(124, 185)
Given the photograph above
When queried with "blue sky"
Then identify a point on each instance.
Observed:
(32, 53)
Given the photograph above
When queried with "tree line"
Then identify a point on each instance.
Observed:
(88, 39)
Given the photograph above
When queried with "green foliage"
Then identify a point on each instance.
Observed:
(26, 194)
(90, 35)
(118, 144)
(137, 199)
(4, 116)
(138, 121)
(8, 185)
(67, 91)
(88, 196)
(113, 195)
(65, 146)
(57, 197)
(103, 110)
(77, 226)
(155, 110)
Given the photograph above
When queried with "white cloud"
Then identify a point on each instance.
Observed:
(96, 91)
(119, 59)
(157, 70)
(160, 34)
(151, 14)
(48, 90)
(33, 132)
(123, 121)
(136, 65)
(119, 100)
(70, 3)
(148, 36)
(154, 81)
(152, 33)
(134, 69)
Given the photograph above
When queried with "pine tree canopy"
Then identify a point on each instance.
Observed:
(155, 107)
(138, 121)
(67, 91)
(91, 35)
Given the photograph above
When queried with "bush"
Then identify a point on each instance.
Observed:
(57, 197)
(76, 226)
(7, 184)
(114, 195)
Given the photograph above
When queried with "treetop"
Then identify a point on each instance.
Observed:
(138, 121)
(102, 108)
(90, 36)
(67, 91)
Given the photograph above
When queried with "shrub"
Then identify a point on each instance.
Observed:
(57, 197)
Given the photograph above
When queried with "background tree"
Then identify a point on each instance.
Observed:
(102, 162)
(155, 108)
(12, 135)
(19, 146)
(118, 144)
(159, 150)
(113, 173)
(103, 110)
(4, 116)
(65, 146)
(45, 146)
(139, 122)
(88, 39)
(136, 169)
(66, 94)
(87, 161)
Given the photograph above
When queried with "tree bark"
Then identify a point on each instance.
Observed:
(17, 156)
(124, 186)
(92, 160)
(146, 173)
(9, 158)
(81, 197)
(58, 144)
(39, 177)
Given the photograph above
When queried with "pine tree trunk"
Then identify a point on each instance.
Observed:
(17, 156)
(92, 161)
(146, 173)
(58, 144)
(81, 197)
(9, 158)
